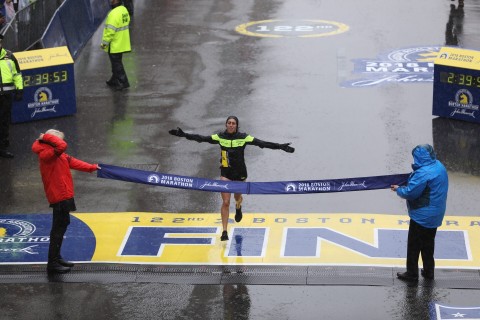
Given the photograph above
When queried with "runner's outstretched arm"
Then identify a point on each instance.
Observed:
(189, 136)
(272, 145)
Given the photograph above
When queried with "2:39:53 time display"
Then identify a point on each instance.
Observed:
(460, 79)
(45, 78)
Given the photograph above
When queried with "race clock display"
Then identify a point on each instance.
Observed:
(48, 85)
(456, 84)
(45, 78)
(461, 79)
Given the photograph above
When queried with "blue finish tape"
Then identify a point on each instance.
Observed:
(276, 187)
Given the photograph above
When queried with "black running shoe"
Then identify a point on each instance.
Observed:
(224, 236)
(238, 214)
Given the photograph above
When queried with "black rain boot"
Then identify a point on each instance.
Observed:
(56, 267)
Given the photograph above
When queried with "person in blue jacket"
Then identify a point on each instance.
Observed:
(426, 195)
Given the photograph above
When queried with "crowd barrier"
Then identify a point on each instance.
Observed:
(74, 23)
(50, 24)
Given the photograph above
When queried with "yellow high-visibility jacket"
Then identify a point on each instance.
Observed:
(116, 34)
(11, 77)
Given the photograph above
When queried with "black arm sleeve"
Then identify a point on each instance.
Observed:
(265, 144)
(200, 138)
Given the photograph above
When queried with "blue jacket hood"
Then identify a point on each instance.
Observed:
(423, 155)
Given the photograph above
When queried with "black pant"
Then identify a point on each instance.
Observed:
(5, 118)
(421, 240)
(119, 77)
(60, 222)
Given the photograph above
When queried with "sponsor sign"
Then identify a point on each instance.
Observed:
(277, 187)
(260, 239)
(456, 85)
(48, 85)
(405, 65)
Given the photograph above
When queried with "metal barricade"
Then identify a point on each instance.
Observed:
(26, 28)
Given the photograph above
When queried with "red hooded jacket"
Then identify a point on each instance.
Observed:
(55, 167)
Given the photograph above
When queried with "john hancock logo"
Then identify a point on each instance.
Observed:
(43, 102)
(463, 104)
(16, 237)
(407, 65)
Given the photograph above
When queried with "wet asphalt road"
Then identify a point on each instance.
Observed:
(189, 68)
(167, 301)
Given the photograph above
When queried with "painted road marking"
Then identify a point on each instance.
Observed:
(292, 28)
(260, 239)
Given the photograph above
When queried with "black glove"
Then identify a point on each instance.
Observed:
(177, 132)
(286, 147)
(18, 95)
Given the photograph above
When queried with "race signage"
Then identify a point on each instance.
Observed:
(456, 86)
(404, 65)
(291, 28)
(259, 239)
(25, 239)
(443, 312)
(277, 187)
(48, 85)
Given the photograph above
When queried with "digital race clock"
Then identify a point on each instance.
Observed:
(461, 79)
(45, 78)
(48, 85)
(456, 84)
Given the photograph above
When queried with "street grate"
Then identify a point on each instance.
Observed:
(236, 274)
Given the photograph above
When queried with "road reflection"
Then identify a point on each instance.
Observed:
(457, 144)
(236, 301)
(454, 28)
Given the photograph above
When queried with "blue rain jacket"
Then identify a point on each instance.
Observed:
(427, 187)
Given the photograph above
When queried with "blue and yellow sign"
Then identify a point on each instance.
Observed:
(260, 239)
(49, 85)
(456, 85)
(25, 239)
(291, 28)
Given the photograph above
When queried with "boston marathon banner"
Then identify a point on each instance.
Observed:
(276, 187)
(313, 239)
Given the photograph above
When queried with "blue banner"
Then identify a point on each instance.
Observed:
(442, 312)
(25, 238)
(275, 187)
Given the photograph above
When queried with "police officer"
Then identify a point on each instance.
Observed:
(116, 41)
(11, 87)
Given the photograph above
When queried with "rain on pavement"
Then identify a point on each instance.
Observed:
(190, 68)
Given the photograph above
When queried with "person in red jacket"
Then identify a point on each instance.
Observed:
(55, 167)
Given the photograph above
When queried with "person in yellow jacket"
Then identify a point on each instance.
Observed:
(11, 87)
(116, 41)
